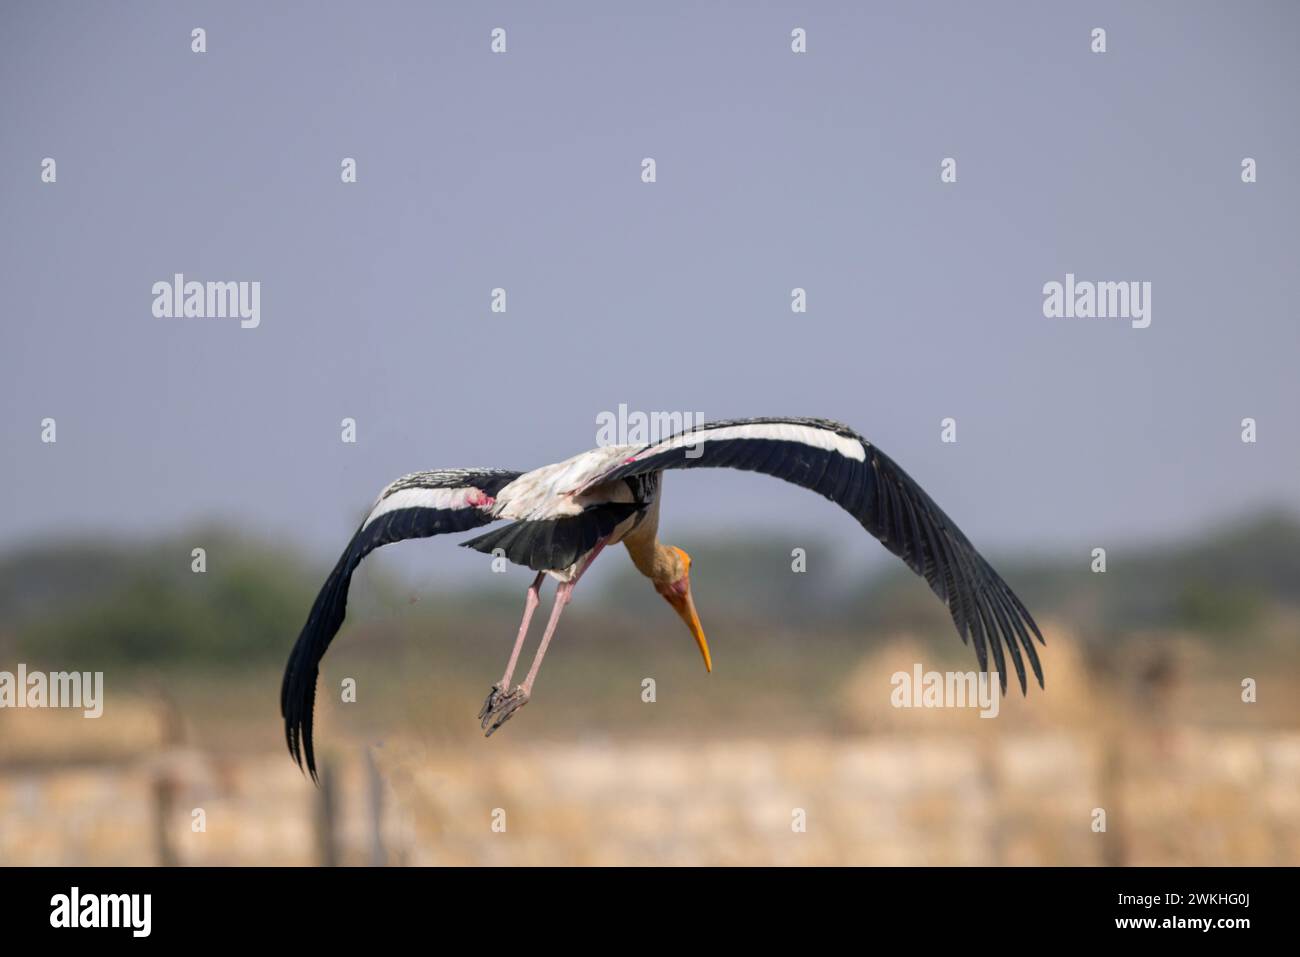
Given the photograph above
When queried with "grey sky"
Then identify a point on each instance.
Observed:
(522, 170)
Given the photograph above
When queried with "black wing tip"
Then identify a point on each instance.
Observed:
(1034, 663)
(1024, 684)
(984, 604)
(297, 704)
(302, 671)
(303, 755)
(300, 750)
(1033, 626)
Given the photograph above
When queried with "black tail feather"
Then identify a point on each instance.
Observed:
(556, 543)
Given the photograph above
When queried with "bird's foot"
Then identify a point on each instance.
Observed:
(504, 710)
(490, 704)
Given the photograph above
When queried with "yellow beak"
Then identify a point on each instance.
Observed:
(684, 605)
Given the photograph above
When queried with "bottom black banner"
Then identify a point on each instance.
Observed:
(211, 906)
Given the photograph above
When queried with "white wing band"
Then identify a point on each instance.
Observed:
(777, 431)
(463, 497)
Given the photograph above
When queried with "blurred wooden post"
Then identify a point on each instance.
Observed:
(378, 856)
(164, 803)
(165, 785)
(1110, 787)
(327, 851)
(992, 783)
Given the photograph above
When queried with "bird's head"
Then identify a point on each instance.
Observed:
(674, 583)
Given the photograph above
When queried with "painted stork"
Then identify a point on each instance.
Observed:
(563, 515)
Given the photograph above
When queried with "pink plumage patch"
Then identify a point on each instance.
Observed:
(479, 499)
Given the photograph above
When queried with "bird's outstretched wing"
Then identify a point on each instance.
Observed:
(415, 506)
(834, 461)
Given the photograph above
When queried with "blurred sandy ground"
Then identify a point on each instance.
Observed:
(1185, 772)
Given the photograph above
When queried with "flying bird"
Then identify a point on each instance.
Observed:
(562, 516)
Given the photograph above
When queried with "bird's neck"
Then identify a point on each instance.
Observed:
(652, 558)
(657, 562)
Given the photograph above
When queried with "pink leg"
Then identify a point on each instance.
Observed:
(563, 595)
(500, 707)
(531, 602)
(498, 692)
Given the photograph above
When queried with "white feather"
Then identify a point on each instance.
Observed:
(548, 492)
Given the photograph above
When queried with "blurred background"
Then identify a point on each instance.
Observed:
(775, 171)
(1142, 715)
